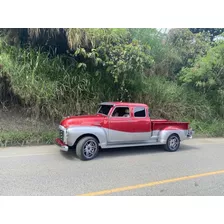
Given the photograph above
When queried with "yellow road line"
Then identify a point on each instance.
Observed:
(133, 187)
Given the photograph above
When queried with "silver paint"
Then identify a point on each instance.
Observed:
(123, 139)
(77, 131)
(164, 134)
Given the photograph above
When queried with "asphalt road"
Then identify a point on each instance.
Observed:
(196, 169)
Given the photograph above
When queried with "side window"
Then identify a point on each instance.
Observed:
(139, 112)
(121, 112)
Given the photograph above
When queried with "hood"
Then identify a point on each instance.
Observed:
(82, 120)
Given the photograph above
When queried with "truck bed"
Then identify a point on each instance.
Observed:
(159, 124)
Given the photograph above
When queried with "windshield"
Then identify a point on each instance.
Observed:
(104, 109)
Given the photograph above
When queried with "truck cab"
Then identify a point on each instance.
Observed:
(126, 123)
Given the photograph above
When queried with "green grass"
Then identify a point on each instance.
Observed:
(213, 128)
(45, 86)
(20, 138)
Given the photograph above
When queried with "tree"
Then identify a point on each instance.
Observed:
(159, 49)
(118, 61)
(185, 47)
(213, 32)
(52, 40)
(207, 76)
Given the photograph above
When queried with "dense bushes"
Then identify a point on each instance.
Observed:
(206, 76)
(168, 100)
(56, 87)
(118, 64)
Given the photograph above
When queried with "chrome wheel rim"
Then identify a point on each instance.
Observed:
(173, 142)
(89, 148)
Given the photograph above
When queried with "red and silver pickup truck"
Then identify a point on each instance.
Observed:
(119, 124)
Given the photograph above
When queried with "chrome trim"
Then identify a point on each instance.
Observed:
(65, 133)
(190, 134)
(64, 148)
(107, 103)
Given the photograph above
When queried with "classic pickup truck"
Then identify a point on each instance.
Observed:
(119, 124)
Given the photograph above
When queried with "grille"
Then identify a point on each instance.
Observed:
(61, 135)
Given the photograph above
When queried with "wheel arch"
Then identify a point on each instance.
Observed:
(85, 135)
(176, 134)
(166, 133)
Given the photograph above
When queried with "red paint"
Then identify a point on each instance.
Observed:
(169, 125)
(124, 124)
(83, 120)
(59, 142)
(141, 124)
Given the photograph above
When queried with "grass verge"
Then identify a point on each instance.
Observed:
(21, 138)
(208, 129)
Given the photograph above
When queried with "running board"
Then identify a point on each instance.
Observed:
(131, 145)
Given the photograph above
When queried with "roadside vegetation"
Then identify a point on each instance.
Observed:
(53, 73)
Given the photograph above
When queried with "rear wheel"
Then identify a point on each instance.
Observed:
(173, 143)
(87, 148)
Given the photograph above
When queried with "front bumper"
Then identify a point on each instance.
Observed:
(61, 144)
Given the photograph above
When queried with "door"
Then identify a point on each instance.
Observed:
(120, 126)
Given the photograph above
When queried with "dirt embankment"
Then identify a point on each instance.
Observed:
(14, 118)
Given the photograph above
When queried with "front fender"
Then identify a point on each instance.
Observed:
(73, 133)
(165, 133)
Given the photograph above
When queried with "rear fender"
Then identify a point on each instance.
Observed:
(166, 132)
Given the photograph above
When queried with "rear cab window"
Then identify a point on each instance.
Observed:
(139, 112)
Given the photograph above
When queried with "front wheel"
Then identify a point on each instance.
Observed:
(87, 148)
(173, 143)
